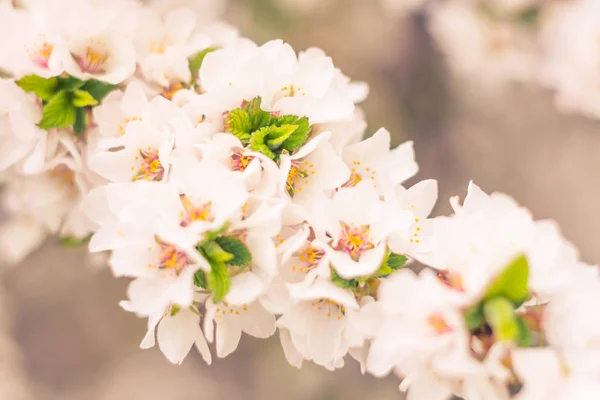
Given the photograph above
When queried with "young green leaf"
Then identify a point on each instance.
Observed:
(258, 117)
(218, 280)
(511, 283)
(197, 59)
(257, 142)
(278, 135)
(235, 247)
(59, 112)
(500, 315)
(300, 135)
(82, 98)
(474, 317)
(44, 88)
(81, 122)
(239, 124)
(213, 252)
(69, 84)
(524, 338)
(395, 261)
(98, 89)
(200, 279)
(341, 282)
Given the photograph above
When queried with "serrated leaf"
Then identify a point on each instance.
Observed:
(98, 89)
(59, 112)
(257, 142)
(81, 122)
(235, 247)
(258, 117)
(279, 134)
(197, 59)
(239, 124)
(341, 282)
(44, 88)
(500, 315)
(213, 252)
(524, 338)
(300, 135)
(81, 98)
(69, 84)
(511, 283)
(218, 280)
(474, 317)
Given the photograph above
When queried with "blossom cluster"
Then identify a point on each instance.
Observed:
(230, 183)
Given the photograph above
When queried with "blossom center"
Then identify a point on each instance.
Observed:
(331, 307)
(159, 46)
(41, 52)
(438, 324)
(299, 175)
(150, 169)
(452, 280)
(355, 240)
(170, 91)
(193, 212)
(172, 258)
(239, 162)
(94, 57)
(227, 309)
(310, 257)
(65, 178)
(358, 173)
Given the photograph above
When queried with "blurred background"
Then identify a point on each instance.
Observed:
(66, 338)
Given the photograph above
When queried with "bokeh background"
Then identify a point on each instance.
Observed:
(64, 336)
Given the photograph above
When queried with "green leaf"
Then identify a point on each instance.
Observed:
(82, 98)
(213, 252)
(69, 84)
(500, 314)
(44, 88)
(530, 16)
(474, 317)
(278, 135)
(72, 241)
(523, 338)
(174, 310)
(257, 142)
(239, 124)
(300, 135)
(81, 122)
(200, 279)
(197, 59)
(258, 117)
(395, 261)
(59, 112)
(218, 280)
(235, 247)
(511, 283)
(98, 89)
(341, 282)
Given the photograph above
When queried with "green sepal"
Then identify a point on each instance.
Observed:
(511, 283)
(81, 98)
(59, 112)
(235, 247)
(44, 88)
(174, 310)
